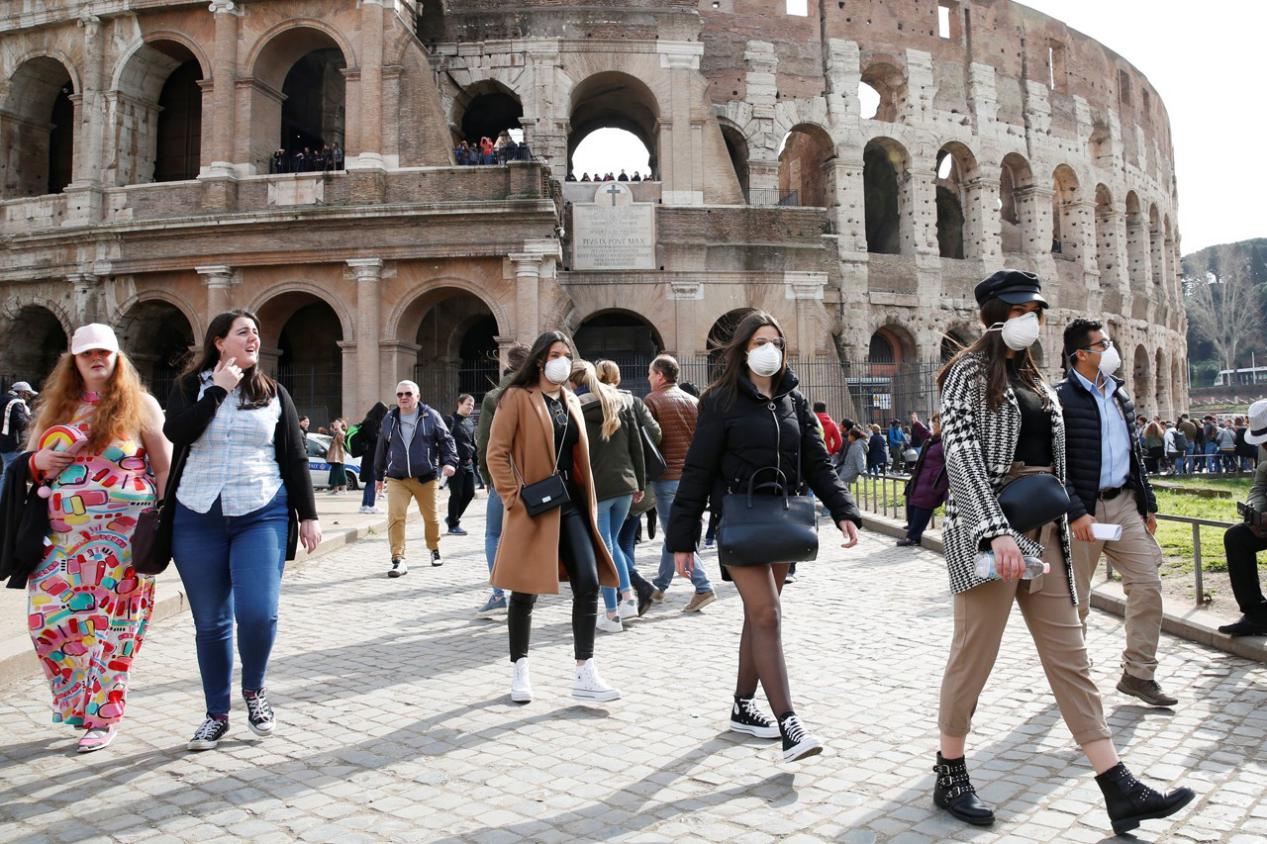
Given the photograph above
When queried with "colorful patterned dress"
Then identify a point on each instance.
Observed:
(87, 607)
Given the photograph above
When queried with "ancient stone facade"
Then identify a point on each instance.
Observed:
(135, 144)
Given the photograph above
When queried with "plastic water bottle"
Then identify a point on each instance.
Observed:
(1033, 567)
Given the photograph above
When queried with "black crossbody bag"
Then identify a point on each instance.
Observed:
(545, 495)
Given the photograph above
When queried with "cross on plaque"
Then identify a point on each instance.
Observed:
(613, 191)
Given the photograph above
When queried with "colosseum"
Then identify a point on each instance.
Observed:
(852, 166)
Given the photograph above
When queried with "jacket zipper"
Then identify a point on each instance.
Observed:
(778, 443)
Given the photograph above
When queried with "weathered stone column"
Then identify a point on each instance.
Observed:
(87, 289)
(683, 183)
(1110, 247)
(218, 279)
(982, 230)
(369, 152)
(527, 295)
(806, 290)
(684, 316)
(224, 79)
(88, 163)
(917, 210)
(368, 272)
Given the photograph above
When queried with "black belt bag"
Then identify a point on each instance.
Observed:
(1032, 501)
(757, 529)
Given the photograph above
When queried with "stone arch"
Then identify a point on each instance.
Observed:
(1141, 382)
(448, 333)
(303, 331)
(402, 322)
(34, 339)
(1136, 244)
(1064, 218)
(885, 163)
(160, 108)
(486, 108)
(299, 94)
(958, 230)
(191, 314)
(805, 176)
(278, 303)
(737, 150)
(1018, 228)
(621, 335)
(616, 100)
(37, 127)
(890, 86)
(152, 40)
(159, 337)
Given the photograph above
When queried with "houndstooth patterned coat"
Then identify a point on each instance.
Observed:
(980, 444)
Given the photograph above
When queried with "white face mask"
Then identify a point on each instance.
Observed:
(1019, 333)
(765, 360)
(558, 370)
(1110, 360)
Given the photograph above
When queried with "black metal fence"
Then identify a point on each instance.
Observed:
(317, 393)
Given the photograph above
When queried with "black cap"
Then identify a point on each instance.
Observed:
(1016, 287)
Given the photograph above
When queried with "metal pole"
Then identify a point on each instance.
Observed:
(1196, 554)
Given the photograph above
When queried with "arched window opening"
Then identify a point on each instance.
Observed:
(313, 110)
(309, 361)
(158, 117)
(489, 119)
(803, 167)
(158, 338)
(737, 150)
(883, 202)
(1016, 231)
(37, 130)
(626, 338)
(179, 143)
(1064, 225)
(950, 204)
(614, 101)
(1141, 383)
(1100, 145)
(882, 92)
(457, 349)
(33, 341)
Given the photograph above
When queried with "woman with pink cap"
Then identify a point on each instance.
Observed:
(98, 447)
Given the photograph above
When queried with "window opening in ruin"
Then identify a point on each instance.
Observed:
(1148, 103)
(887, 84)
(61, 142)
(178, 144)
(624, 337)
(314, 108)
(949, 201)
(869, 101)
(606, 152)
(737, 150)
(804, 173)
(1064, 241)
(882, 202)
(1057, 72)
(1124, 87)
(489, 110)
(37, 133)
(798, 7)
(1100, 144)
(32, 344)
(947, 21)
(1136, 243)
(457, 350)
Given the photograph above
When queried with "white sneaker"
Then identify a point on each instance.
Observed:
(520, 682)
(607, 624)
(590, 686)
(628, 609)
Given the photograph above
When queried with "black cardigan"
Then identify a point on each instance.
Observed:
(187, 419)
(23, 524)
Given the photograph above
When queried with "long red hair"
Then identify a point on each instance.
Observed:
(118, 415)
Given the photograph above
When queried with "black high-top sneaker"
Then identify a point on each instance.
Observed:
(798, 743)
(954, 793)
(747, 718)
(1129, 801)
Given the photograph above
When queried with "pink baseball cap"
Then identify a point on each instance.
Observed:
(93, 336)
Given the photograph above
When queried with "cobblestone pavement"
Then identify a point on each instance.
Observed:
(395, 725)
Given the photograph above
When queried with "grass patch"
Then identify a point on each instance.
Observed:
(1238, 486)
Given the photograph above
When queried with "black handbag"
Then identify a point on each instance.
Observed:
(544, 495)
(653, 460)
(152, 537)
(759, 529)
(1032, 501)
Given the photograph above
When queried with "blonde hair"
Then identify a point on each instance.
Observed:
(118, 415)
(583, 373)
(608, 372)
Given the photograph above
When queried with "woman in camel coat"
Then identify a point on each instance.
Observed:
(538, 430)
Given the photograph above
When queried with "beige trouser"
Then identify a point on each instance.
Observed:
(981, 615)
(1137, 557)
(399, 494)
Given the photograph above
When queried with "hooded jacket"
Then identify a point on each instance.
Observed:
(432, 446)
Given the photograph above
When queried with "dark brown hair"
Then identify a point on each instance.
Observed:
(529, 372)
(991, 344)
(734, 356)
(255, 388)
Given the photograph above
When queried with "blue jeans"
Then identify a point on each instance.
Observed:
(493, 531)
(1180, 459)
(665, 492)
(611, 518)
(367, 496)
(8, 457)
(1211, 457)
(232, 569)
(628, 541)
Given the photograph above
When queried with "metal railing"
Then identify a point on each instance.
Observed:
(1197, 570)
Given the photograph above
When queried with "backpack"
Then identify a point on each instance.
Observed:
(1180, 441)
(355, 445)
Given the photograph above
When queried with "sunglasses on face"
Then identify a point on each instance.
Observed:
(403, 395)
(1102, 346)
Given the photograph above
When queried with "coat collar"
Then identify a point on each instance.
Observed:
(786, 384)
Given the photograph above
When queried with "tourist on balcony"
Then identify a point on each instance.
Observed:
(414, 441)
(571, 177)
(1001, 422)
(299, 160)
(1244, 542)
(279, 162)
(637, 176)
(486, 150)
(1107, 484)
(336, 156)
(494, 512)
(97, 445)
(243, 502)
(585, 177)
(462, 484)
(562, 541)
(623, 177)
(752, 419)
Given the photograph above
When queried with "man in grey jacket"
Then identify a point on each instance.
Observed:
(854, 463)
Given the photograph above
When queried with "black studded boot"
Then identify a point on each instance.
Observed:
(953, 792)
(1129, 801)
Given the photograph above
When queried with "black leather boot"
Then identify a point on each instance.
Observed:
(954, 793)
(1129, 801)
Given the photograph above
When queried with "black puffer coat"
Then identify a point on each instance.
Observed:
(1082, 435)
(735, 439)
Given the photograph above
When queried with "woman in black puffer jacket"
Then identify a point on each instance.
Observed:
(752, 418)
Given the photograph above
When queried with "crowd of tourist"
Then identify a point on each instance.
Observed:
(622, 176)
(487, 150)
(307, 159)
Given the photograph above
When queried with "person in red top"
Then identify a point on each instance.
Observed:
(831, 431)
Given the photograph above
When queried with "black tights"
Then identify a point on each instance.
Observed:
(761, 643)
(576, 549)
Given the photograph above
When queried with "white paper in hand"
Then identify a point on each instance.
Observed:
(1106, 532)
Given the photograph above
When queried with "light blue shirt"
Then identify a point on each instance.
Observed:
(1115, 438)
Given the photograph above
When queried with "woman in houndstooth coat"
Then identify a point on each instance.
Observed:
(1001, 421)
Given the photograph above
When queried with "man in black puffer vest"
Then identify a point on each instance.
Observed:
(1108, 488)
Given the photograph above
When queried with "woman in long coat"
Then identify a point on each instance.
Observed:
(539, 430)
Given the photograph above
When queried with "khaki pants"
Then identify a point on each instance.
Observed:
(1137, 557)
(981, 616)
(399, 494)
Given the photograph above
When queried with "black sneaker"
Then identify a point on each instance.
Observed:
(746, 718)
(259, 714)
(457, 531)
(1246, 626)
(435, 557)
(399, 567)
(797, 741)
(209, 734)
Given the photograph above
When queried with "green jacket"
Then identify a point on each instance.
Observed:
(1258, 492)
(618, 465)
(488, 407)
(653, 428)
